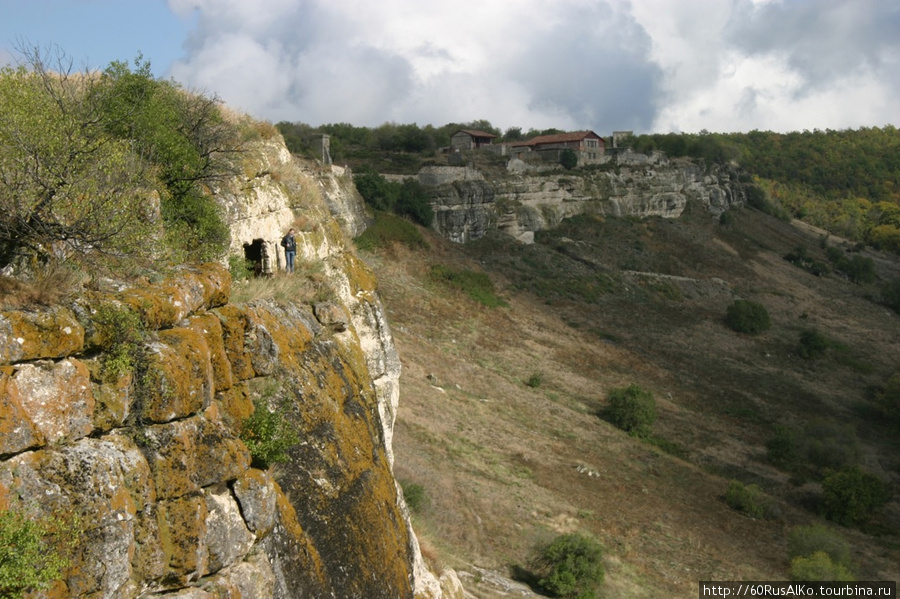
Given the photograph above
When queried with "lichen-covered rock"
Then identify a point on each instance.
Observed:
(189, 454)
(255, 492)
(48, 333)
(227, 538)
(250, 579)
(17, 431)
(235, 323)
(192, 289)
(182, 532)
(210, 327)
(112, 402)
(53, 400)
(179, 376)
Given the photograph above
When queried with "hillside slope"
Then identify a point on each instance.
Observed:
(599, 304)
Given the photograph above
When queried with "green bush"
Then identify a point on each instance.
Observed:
(821, 445)
(852, 496)
(783, 448)
(745, 316)
(415, 496)
(568, 159)
(749, 499)
(408, 198)
(804, 541)
(887, 397)
(476, 285)
(33, 553)
(240, 268)
(890, 294)
(813, 344)
(632, 409)
(571, 566)
(820, 568)
(535, 380)
(268, 434)
(124, 334)
(388, 229)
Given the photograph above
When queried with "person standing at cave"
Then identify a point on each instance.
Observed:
(290, 250)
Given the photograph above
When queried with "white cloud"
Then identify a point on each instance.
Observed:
(647, 65)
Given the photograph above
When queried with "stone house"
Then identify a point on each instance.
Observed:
(587, 145)
(469, 139)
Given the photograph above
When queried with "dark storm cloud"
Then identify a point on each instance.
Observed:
(822, 40)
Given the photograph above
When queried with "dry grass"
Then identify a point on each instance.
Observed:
(306, 285)
(50, 286)
(508, 466)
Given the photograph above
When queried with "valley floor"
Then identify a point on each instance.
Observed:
(506, 466)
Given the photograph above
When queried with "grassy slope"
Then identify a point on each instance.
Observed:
(506, 466)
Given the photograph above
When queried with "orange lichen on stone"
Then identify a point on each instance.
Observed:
(235, 404)
(210, 327)
(17, 432)
(182, 531)
(50, 333)
(192, 289)
(57, 398)
(359, 275)
(179, 379)
(234, 323)
(112, 402)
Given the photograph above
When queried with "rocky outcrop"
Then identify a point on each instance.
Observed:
(528, 199)
(162, 487)
(145, 457)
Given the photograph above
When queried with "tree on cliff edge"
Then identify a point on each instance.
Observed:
(108, 163)
(66, 185)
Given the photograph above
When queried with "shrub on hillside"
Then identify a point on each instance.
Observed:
(750, 500)
(415, 496)
(388, 229)
(820, 446)
(887, 398)
(852, 496)
(804, 541)
(745, 316)
(476, 285)
(570, 566)
(813, 344)
(890, 294)
(818, 567)
(632, 409)
(568, 159)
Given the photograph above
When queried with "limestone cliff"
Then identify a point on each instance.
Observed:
(526, 198)
(147, 460)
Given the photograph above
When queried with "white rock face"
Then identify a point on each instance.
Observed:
(528, 199)
(322, 205)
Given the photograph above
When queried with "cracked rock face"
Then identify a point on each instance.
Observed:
(524, 201)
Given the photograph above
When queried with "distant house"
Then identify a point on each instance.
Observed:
(468, 139)
(589, 146)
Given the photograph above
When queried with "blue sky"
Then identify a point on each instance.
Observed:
(95, 32)
(645, 65)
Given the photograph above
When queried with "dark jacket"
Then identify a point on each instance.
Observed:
(289, 243)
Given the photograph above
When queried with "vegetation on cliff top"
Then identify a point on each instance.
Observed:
(91, 162)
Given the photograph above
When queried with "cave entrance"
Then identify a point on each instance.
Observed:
(257, 255)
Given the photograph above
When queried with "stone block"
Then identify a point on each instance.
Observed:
(179, 377)
(50, 333)
(227, 538)
(255, 491)
(234, 323)
(55, 397)
(210, 327)
(182, 533)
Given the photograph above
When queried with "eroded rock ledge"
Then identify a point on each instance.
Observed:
(152, 463)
